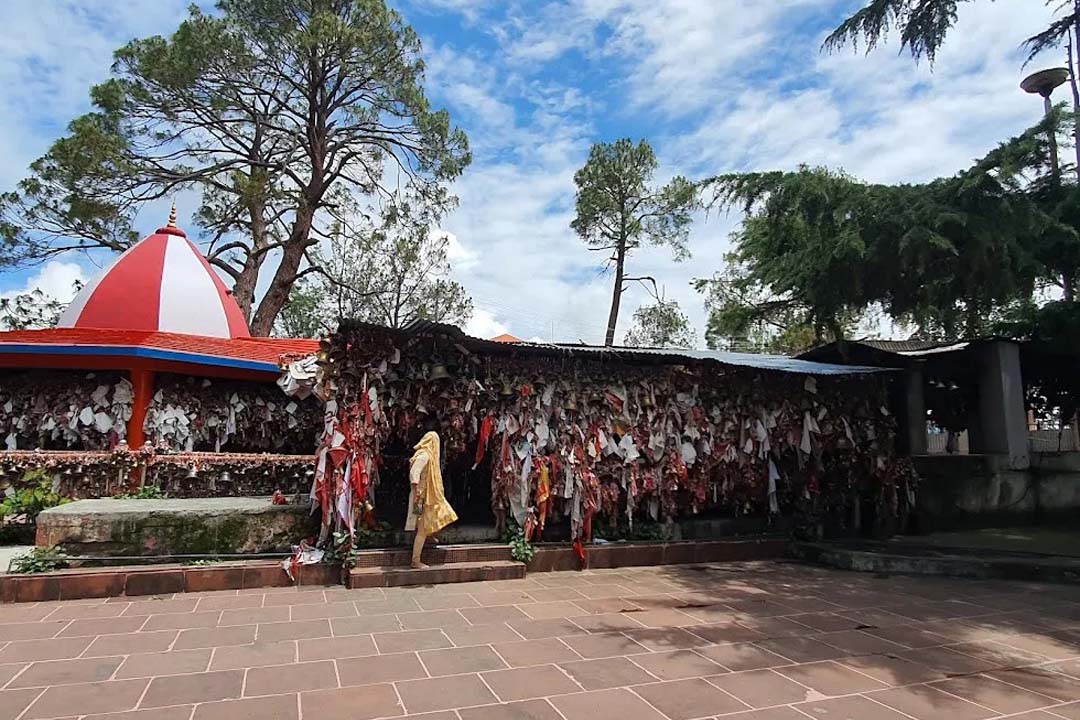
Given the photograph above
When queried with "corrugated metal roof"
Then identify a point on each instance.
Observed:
(905, 346)
(780, 363)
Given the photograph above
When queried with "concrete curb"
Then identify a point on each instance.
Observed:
(1031, 569)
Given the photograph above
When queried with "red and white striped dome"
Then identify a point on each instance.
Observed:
(161, 284)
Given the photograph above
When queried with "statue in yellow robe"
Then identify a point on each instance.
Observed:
(429, 511)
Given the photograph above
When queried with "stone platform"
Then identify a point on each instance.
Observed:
(174, 526)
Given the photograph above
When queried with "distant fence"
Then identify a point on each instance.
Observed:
(1039, 441)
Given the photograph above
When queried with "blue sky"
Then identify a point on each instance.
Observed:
(715, 86)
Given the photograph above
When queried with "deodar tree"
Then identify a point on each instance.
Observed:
(618, 210)
(282, 114)
(950, 257)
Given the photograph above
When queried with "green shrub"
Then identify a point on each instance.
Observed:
(34, 495)
(520, 549)
(145, 492)
(40, 559)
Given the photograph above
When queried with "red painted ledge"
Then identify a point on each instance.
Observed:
(105, 582)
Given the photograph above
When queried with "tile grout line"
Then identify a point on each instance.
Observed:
(401, 701)
(31, 704)
(552, 706)
(422, 663)
(875, 700)
(17, 675)
(142, 695)
(658, 710)
(490, 689)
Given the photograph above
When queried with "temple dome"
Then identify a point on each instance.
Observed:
(161, 284)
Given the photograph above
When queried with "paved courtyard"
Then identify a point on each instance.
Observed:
(752, 641)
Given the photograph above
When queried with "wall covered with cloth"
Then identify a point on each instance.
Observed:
(79, 410)
(211, 415)
(63, 410)
(564, 433)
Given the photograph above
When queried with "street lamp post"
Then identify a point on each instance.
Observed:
(1043, 83)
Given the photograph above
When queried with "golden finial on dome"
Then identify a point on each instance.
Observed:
(172, 216)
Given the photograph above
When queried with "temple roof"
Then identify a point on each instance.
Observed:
(159, 305)
(161, 284)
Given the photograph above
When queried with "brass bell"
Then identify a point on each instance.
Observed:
(507, 388)
(192, 473)
(438, 372)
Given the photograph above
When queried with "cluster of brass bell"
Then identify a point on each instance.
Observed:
(438, 372)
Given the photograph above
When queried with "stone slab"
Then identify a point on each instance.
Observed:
(436, 574)
(173, 526)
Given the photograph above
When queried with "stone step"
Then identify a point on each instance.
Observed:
(434, 555)
(366, 577)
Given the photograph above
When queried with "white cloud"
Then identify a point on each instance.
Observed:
(52, 53)
(483, 324)
(461, 259)
(55, 279)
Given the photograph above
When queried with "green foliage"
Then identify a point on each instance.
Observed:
(819, 249)
(30, 311)
(617, 210)
(39, 560)
(520, 549)
(924, 24)
(33, 494)
(305, 315)
(391, 273)
(144, 492)
(662, 325)
(343, 550)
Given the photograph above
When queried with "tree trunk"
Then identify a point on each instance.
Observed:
(243, 289)
(616, 295)
(278, 292)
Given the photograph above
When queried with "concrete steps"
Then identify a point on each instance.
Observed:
(433, 555)
(451, 572)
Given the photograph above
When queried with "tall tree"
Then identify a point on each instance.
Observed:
(281, 112)
(819, 248)
(391, 273)
(923, 26)
(393, 276)
(661, 325)
(618, 210)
